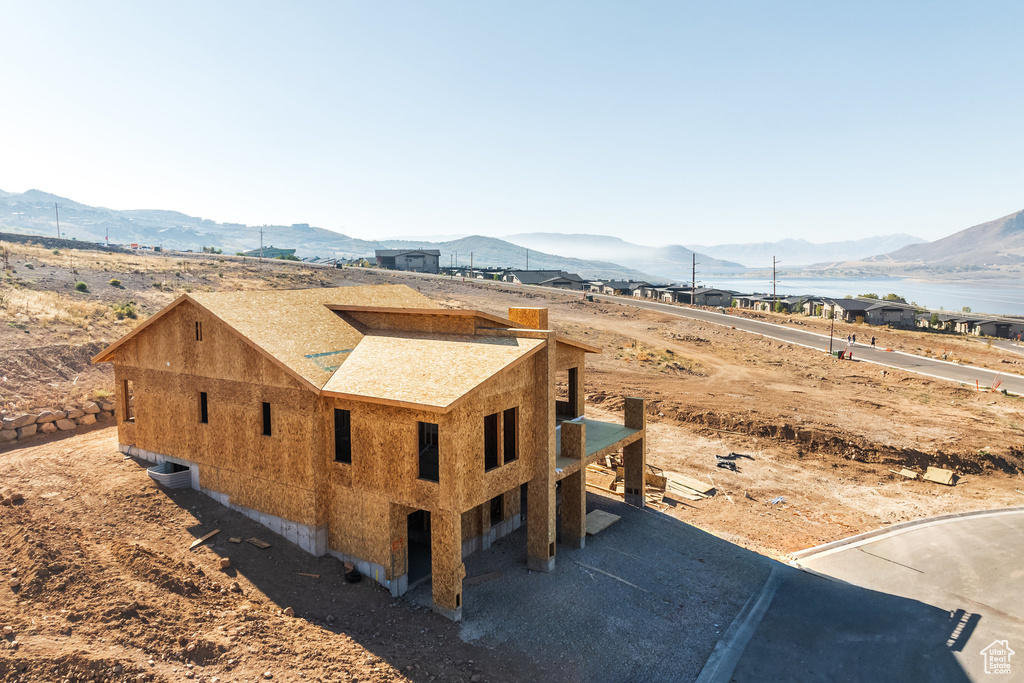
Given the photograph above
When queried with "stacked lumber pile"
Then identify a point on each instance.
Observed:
(610, 477)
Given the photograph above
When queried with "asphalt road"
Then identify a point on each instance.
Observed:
(862, 352)
(921, 602)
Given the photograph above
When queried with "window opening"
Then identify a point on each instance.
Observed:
(430, 465)
(266, 419)
(129, 401)
(199, 331)
(510, 432)
(491, 442)
(204, 414)
(342, 436)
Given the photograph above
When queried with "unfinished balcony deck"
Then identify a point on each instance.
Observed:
(602, 438)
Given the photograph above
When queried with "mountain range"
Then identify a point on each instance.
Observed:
(995, 243)
(793, 253)
(32, 213)
(673, 261)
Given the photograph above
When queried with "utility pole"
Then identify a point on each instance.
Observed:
(830, 330)
(261, 243)
(106, 237)
(775, 301)
(57, 214)
(693, 281)
(527, 259)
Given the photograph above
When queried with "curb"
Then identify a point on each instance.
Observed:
(727, 653)
(897, 528)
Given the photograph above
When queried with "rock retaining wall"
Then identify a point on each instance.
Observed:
(21, 427)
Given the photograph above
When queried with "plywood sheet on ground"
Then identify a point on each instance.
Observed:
(939, 476)
(599, 520)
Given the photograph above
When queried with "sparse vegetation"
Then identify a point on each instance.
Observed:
(124, 310)
(81, 286)
(114, 282)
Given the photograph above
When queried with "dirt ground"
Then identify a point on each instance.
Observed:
(100, 551)
(107, 589)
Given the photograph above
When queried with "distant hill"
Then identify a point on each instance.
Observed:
(792, 253)
(32, 213)
(673, 262)
(996, 243)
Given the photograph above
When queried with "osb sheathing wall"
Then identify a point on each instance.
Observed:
(381, 484)
(169, 368)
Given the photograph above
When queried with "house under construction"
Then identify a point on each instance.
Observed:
(371, 424)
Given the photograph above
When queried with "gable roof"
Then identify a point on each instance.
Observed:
(386, 344)
(294, 327)
(425, 370)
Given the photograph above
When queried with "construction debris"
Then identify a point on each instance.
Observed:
(312, 576)
(940, 476)
(199, 541)
(599, 520)
(225, 563)
(909, 474)
(779, 500)
(235, 539)
(262, 545)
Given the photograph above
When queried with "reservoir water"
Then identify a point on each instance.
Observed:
(998, 297)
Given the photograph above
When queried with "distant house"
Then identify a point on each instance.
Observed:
(891, 313)
(626, 287)
(680, 293)
(413, 260)
(846, 309)
(269, 252)
(562, 282)
(536, 277)
(712, 297)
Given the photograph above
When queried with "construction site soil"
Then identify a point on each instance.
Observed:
(99, 584)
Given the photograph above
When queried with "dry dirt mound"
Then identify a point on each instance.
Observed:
(52, 375)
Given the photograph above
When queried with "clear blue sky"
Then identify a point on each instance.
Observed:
(659, 122)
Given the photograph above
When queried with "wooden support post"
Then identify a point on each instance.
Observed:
(398, 533)
(577, 397)
(484, 512)
(447, 569)
(540, 490)
(574, 487)
(634, 456)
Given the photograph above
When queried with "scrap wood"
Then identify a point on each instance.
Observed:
(204, 539)
(480, 578)
(601, 488)
(262, 545)
(314, 576)
(690, 483)
(685, 492)
(909, 474)
(235, 539)
(939, 476)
